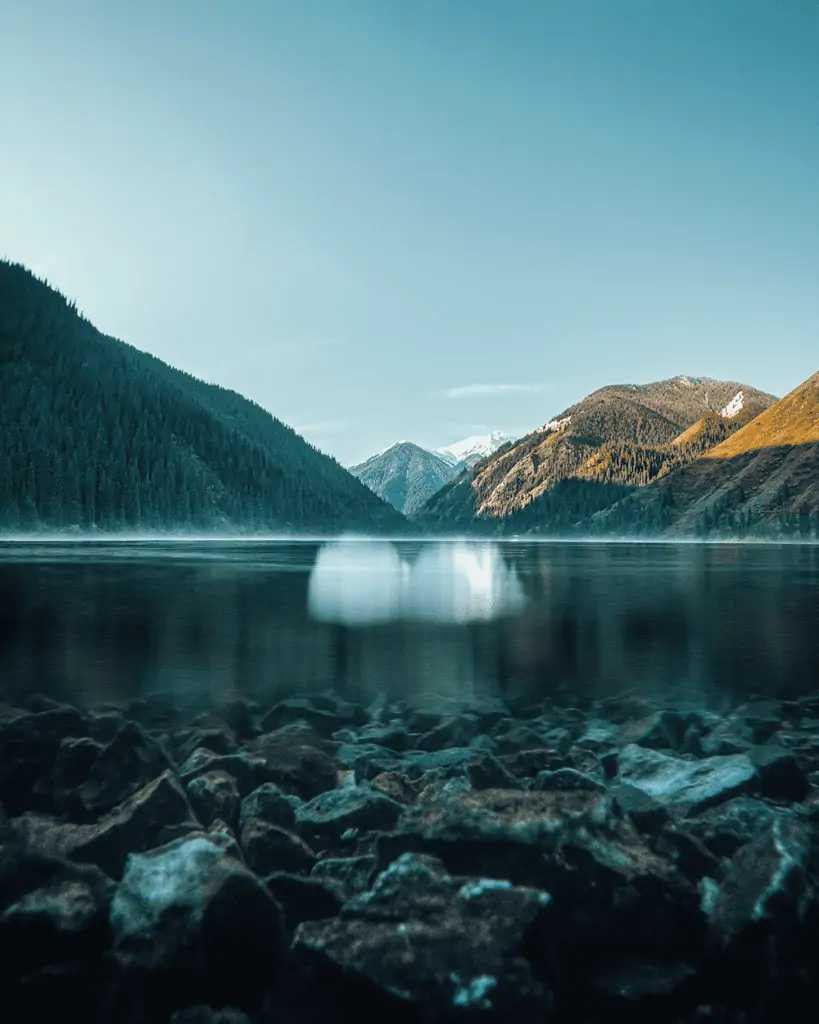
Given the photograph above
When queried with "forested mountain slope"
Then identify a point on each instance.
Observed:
(95, 434)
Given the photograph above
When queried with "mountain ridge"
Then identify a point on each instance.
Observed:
(95, 434)
(621, 435)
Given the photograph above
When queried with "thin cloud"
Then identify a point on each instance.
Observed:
(322, 428)
(490, 390)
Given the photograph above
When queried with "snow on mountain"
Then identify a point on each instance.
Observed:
(554, 425)
(472, 449)
(734, 406)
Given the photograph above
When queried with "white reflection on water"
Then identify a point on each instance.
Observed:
(355, 583)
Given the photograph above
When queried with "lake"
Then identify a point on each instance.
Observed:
(203, 622)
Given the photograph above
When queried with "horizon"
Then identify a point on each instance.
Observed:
(429, 223)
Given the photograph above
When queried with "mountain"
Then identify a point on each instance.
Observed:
(96, 434)
(405, 475)
(473, 449)
(590, 455)
(763, 479)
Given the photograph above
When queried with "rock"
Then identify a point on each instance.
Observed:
(599, 736)
(29, 743)
(726, 828)
(219, 740)
(214, 795)
(134, 826)
(123, 766)
(763, 936)
(303, 899)
(662, 730)
(297, 763)
(487, 772)
(566, 779)
(730, 735)
(646, 811)
(346, 876)
(685, 787)
(397, 786)
(67, 920)
(763, 718)
(249, 771)
(330, 814)
(525, 764)
(192, 924)
(74, 761)
(301, 709)
(779, 774)
(368, 759)
(605, 879)
(454, 732)
(394, 737)
(518, 738)
(444, 947)
(269, 803)
(692, 858)
(268, 848)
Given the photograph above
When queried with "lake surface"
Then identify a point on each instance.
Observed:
(205, 622)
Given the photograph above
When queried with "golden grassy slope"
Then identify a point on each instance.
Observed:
(793, 420)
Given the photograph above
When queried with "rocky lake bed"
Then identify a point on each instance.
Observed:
(322, 860)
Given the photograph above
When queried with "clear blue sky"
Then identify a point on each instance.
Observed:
(356, 211)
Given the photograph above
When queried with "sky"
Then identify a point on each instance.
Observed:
(385, 220)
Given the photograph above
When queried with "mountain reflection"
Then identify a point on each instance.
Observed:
(204, 624)
(359, 583)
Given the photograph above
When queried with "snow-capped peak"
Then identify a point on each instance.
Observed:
(734, 406)
(473, 448)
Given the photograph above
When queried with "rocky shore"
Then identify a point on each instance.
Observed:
(323, 861)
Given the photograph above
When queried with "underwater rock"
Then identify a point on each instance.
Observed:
(779, 774)
(326, 816)
(269, 803)
(29, 743)
(268, 848)
(136, 825)
(303, 899)
(126, 764)
(447, 948)
(296, 761)
(685, 787)
(346, 876)
(191, 923)
(249, 771)
(214, 795)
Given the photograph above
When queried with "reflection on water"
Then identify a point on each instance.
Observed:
(205, 623)
(355, 583)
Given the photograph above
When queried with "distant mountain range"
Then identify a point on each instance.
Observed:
(407, 475)
(97, 435)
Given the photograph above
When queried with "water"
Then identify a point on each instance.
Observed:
(205, 622)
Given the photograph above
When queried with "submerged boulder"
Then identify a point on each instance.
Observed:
(191, 923)
(685, 786)
(444, 948)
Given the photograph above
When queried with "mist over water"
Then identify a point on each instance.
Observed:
(203, 623)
